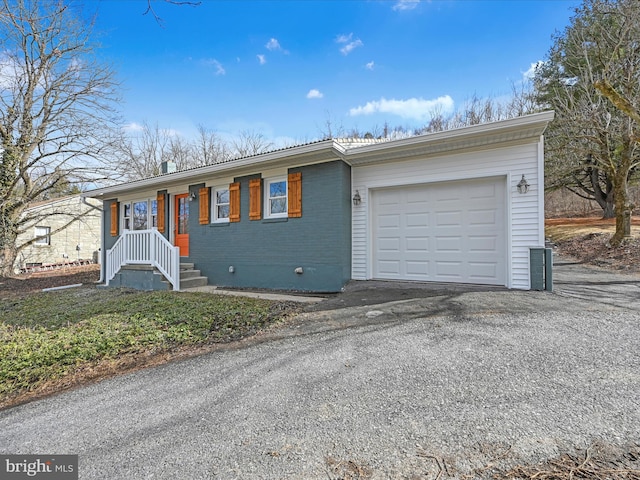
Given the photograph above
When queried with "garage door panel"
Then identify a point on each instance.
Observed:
(448, 218)
(389, 221)
(416, 268)
(481, 272)
(389, 268)
(417, 220)
(450, 231)
(448, 244)
(483, 244)
(417, 244)
(481, 191)
(389, 244)
(448, 271)
(482, 217)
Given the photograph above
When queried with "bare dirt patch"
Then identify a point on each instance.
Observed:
(22, 285)
(587, 241)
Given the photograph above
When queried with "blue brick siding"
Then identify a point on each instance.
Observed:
(265, 253)
(107, 240)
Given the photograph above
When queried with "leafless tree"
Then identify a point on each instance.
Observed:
(151, 11)
(181, 152)
(331, 128)
(141, 155)
(57, 110)
(209, 148)
(591, 77)
(250, 143)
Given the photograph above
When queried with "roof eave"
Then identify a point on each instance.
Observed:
(486, 135)
(310, 153)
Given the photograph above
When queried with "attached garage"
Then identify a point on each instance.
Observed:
(445, 206)
(445, 232)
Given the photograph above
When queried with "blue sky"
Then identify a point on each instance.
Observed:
(285, 68)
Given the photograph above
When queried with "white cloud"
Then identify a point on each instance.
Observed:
(344, 38)
(403, 5)
(273, 44)
(346, 50)
(217, 66)
(133, 127)
(530, 73)
(349, 43)
(314, 93)
(262, 59)
(370, 65)
(10, 72)
(412, 108)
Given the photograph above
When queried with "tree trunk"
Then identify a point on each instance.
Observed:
(608, 209)
(7, 261)
(8, 242)
(8, 254)
(621, 204)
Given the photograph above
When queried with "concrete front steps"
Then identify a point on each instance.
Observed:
(190, 277)
(146, 277)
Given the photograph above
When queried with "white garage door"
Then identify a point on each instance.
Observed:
(445, 232)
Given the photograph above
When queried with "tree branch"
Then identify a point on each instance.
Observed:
(606, 89)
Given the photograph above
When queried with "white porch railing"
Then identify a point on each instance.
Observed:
(144, 247)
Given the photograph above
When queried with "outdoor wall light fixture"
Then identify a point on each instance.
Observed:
(523, 185)
(192, 196)
(356, 198)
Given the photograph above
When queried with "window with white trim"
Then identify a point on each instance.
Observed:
(275, 197)
(153, 212)
(42, 236)
(221, 205)
(140, 214)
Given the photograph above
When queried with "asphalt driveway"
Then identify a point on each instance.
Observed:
(460, 377)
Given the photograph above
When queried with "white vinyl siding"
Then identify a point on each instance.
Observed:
(524, 228)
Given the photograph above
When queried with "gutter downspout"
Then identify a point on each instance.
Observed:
(83, 199)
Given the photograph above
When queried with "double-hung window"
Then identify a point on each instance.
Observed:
(221, 205)
(43, 236)
(276, 197)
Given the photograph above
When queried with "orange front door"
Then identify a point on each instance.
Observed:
(181, 224)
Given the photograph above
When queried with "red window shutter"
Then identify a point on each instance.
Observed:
(234, 202)
(294, 194)
(114, 218)
(161, 213)
(204, 205)
(255, 194)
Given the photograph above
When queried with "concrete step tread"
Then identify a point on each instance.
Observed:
(193, 282)
(189, 273)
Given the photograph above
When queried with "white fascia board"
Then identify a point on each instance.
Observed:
(447, 141)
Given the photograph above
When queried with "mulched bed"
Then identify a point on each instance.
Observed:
(21, 285)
